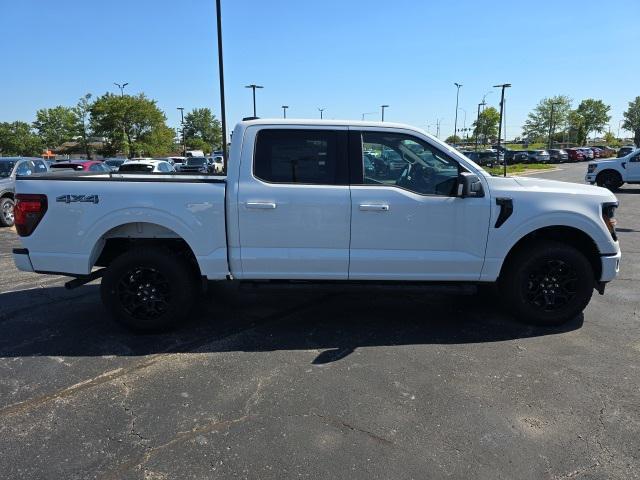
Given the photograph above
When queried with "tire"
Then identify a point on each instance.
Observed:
(149, 289)
(6, 212)
(609, 179)
(547, 283)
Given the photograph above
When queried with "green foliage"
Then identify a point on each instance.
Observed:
(611, 140)
(538, 123)
(55, 125)
(632, 120)
(133, 125)
(486, 126)
(202, 130)
(18, 139)
(590, 116)
(453, 139)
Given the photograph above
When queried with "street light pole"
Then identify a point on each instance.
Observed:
(367, 113)
(620, 122)
(464, 123)
(184, 144)
(121, 87)
(481, 104)
(284, 111)
(551, 129)
(253, 87)
(223, 116)
(382, 107)
(503, 86)
(455, 123)
(321, 110)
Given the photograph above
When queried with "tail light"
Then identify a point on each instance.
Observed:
(28, 212)
(608, 215)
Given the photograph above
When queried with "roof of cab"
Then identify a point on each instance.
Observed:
(326, 123)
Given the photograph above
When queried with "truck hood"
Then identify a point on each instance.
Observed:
(554, 186)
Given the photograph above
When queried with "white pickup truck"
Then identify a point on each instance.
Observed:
(615, 172)
(320, 201)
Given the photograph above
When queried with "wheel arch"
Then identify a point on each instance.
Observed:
(568, 235)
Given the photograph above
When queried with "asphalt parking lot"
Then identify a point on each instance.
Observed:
(314, 384)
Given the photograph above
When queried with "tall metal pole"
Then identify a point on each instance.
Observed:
(455, 123)
(184, 143)
(382, 107)
(253, 87)
(504, 85)
(223, 116)
(321, 110)
(550, 126)
(121, 87)
(284, 111)
(478, 123)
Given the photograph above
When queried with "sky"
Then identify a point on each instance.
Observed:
(346, 56)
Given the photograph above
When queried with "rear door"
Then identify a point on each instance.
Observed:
(294, 207)
(410, 225)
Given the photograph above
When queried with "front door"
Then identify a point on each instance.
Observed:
(407, 222)
(633, 168)
(294, 207)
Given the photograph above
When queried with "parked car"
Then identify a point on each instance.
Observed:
(516, 156)
(114, 163)
(558, 155)
(484, 158)
(615, 172)
(10, 168)
(605, 151)
(146, 166)
(218, 163)
(597, 153)
(587, 152)
(197, 165)
(626, 150)
(297, 206)
(538, 156)
(82, 166)
(575, 154)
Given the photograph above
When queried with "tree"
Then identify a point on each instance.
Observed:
(18, 139)
(592, 115)
(486, 126)
(632, 120)
(202, 130)
(130, 124)
(611, 140)
(55, 125)
(82, 112)
(538, 123)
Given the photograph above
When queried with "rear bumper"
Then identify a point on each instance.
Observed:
(610, 266)
(22, 260)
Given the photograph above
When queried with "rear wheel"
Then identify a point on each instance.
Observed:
(6, 212)
(548, 283)
(149, 289)
(609, 179)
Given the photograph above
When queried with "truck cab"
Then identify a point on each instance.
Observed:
(615, 172)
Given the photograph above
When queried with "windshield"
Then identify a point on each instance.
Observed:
(136, 167)
(74, 166)
(6, 167)
(196, 162)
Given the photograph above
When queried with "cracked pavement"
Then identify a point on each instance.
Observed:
(285, 383)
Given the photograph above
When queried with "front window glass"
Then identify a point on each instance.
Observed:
(407, 162)
(6, 167)
(25, 168)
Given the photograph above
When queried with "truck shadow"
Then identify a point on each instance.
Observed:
(57, 322)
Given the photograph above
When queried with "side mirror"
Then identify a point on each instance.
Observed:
(469, 185)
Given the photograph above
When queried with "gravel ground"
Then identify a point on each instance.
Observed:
(316, 384)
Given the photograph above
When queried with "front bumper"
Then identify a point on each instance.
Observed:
(590, 178)
(610, 266)
(22, 260)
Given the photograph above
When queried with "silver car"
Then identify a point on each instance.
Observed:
(538, 156)
(10, 167)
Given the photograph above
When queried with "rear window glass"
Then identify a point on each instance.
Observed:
(301, 156)
(135, 167)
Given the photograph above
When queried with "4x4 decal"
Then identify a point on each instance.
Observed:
(78, 198)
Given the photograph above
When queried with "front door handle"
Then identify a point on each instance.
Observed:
(261, 205)
(374, 207)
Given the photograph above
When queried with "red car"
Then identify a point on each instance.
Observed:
(82, 166)
(575, 154)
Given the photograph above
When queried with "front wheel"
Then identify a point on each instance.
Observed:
(149, 289)
(548, 283)
(6, 212)
(609, 179)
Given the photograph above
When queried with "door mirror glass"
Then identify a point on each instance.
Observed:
(469, 185)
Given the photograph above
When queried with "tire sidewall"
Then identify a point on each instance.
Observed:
(3, 221)
(175, 270)
(518, 274)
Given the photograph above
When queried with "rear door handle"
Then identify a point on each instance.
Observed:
(374, 207)
(261, 205)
